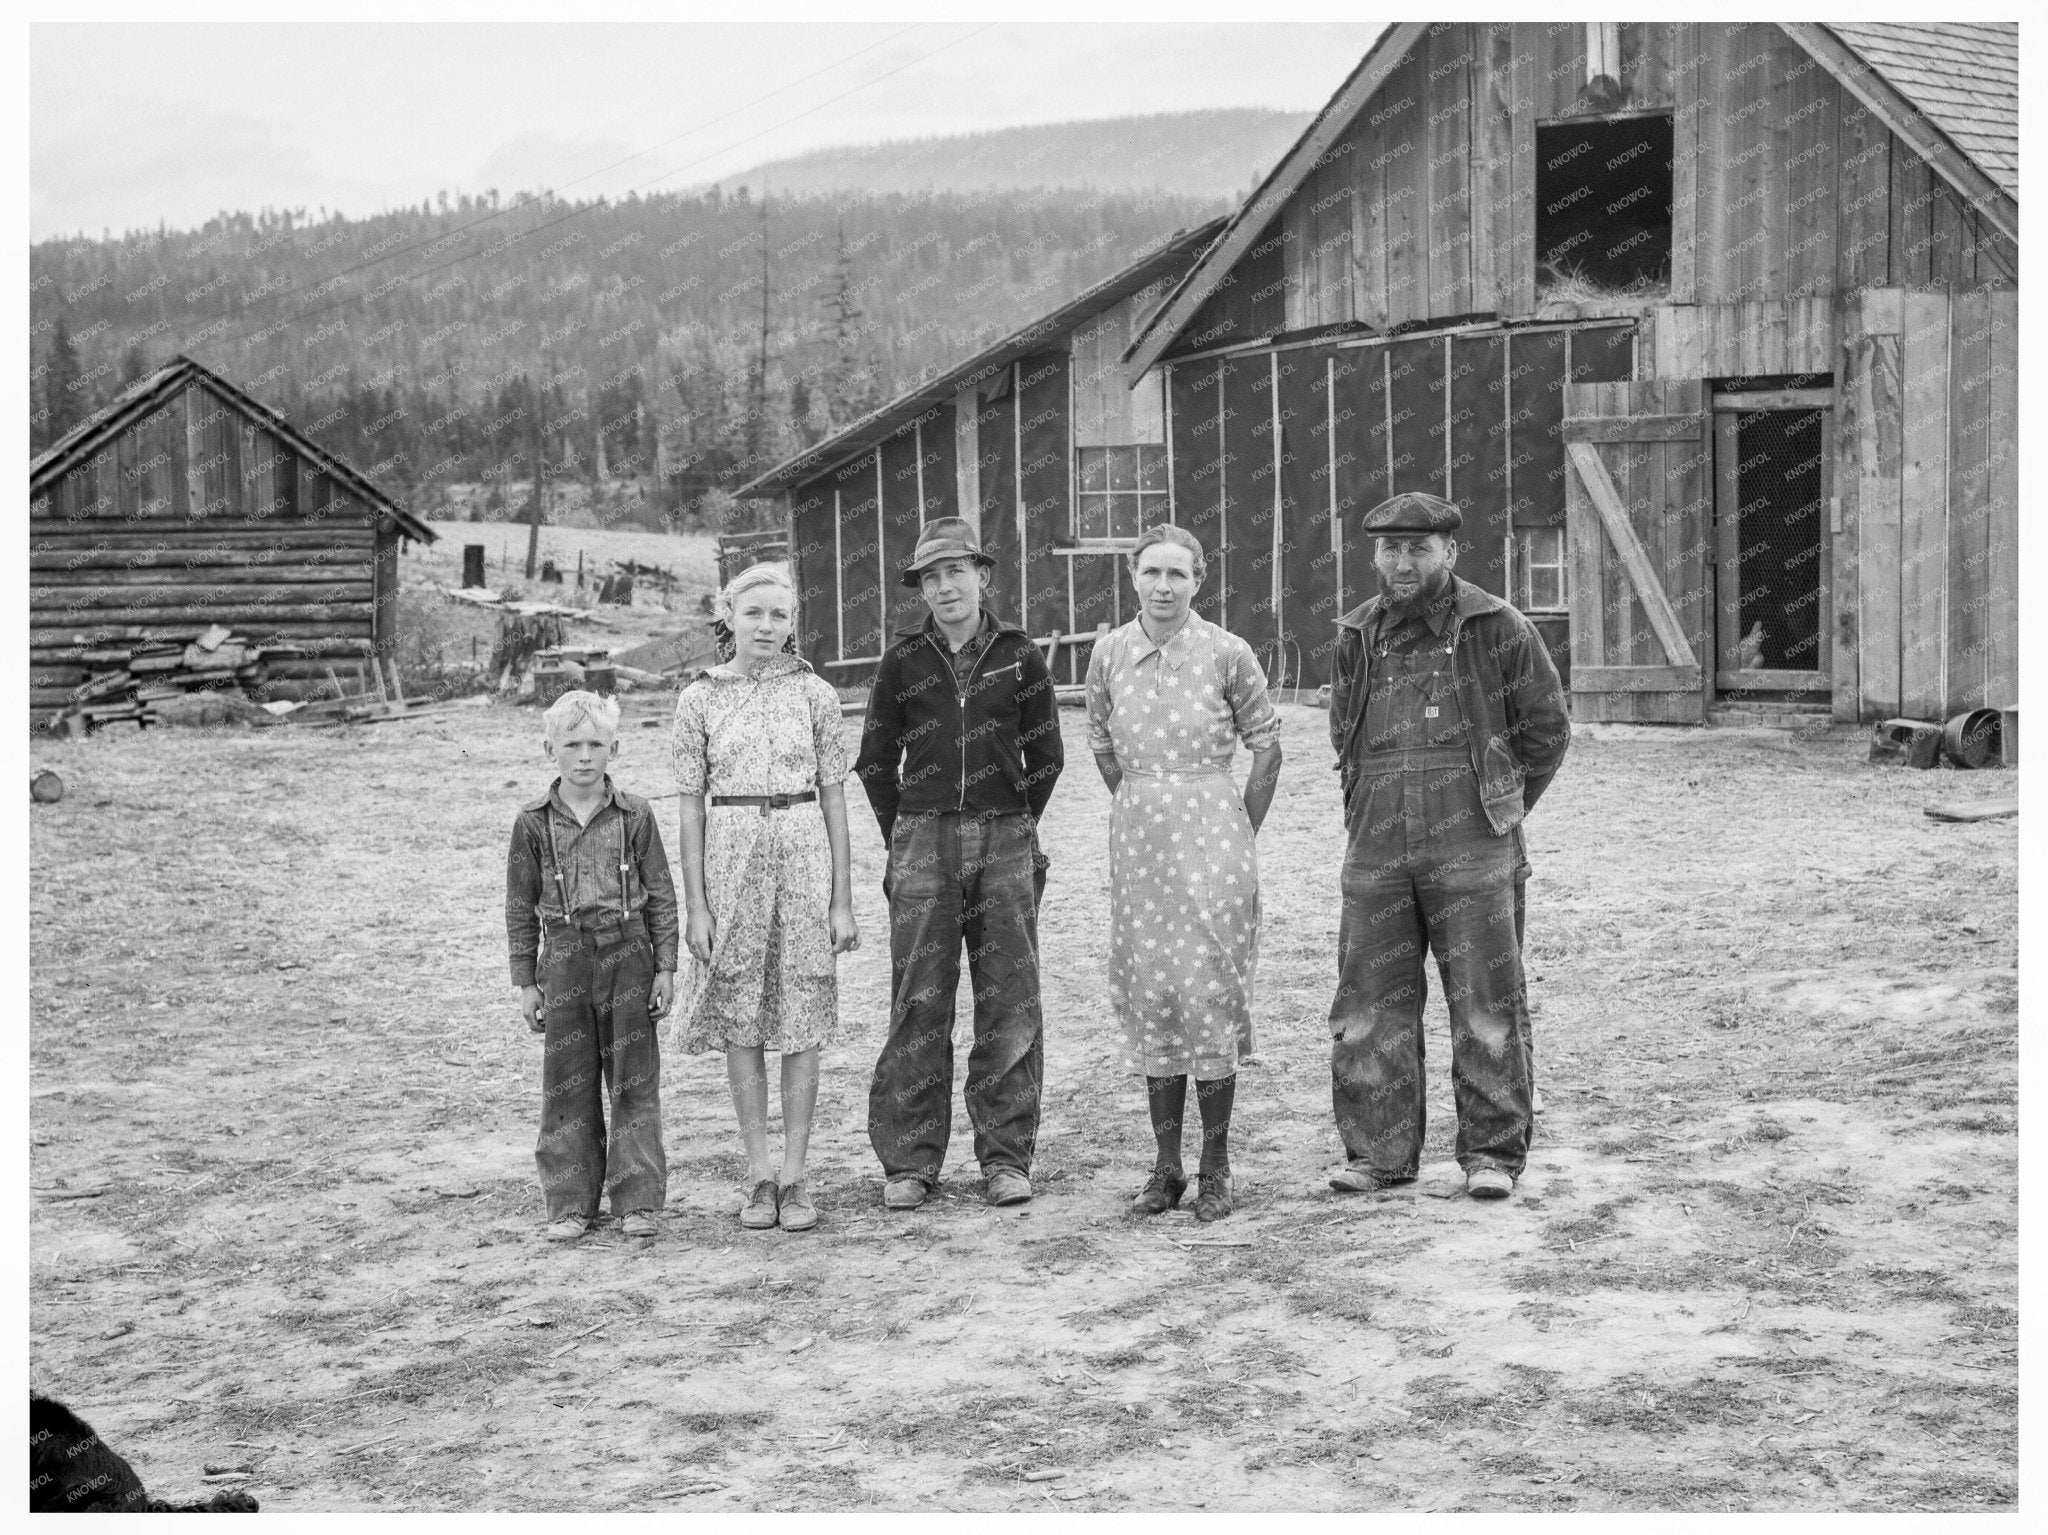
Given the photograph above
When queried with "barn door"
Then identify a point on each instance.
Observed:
(1636, 519)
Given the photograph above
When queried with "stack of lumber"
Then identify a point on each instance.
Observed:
(131, 676)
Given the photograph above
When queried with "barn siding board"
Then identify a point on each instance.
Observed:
(1969, 514)
(1684, 74)
(1863, 206)
(1536, 396)
(1360, 385)
(1046, 474)
(1197, 448)
(1415, 382)
(1308, 574)
(1407, 191)
(2001, 568)
(1518, 281)
(1447, 130)
(863, 589)
(1368, 228)
(1923, 504)
(1479, 459)
(1493, 165)
(941, 465)
(1248, 470)
(1812, 180)
(1912, 218)
(995, 427)
(900, 522)
(814, 566)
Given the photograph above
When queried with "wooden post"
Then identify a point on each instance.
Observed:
(540, 443)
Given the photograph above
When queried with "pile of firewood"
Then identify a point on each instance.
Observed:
(135, 678)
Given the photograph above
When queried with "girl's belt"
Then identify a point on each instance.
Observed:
(767, 802)
(1203, 770)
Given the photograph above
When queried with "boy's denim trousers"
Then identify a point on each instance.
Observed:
(595, 988)
(957, 877)
(1424, 873)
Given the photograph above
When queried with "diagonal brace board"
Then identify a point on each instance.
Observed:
(1607, 501)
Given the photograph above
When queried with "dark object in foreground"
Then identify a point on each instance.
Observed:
(45, 787)
(71, 1470)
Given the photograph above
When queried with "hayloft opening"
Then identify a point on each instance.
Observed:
(1603, 209)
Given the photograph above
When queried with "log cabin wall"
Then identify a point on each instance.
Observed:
(197, 513)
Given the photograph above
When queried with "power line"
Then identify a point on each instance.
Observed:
(578, 212)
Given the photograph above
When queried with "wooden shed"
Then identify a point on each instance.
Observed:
(1037, 440)
(1710, 327)
(188, 503)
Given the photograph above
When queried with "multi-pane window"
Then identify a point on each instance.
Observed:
(1540, 570)
(1122, 491)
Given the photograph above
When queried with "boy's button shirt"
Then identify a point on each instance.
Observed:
(965, 658)
(590, 854)
(621, 829)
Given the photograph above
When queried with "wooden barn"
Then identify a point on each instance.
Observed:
(187, 503)
(1710, 328)
(1036, 440)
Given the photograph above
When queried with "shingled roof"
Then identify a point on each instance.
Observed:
(1965, 75)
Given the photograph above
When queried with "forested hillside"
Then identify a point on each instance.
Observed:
(417, 343)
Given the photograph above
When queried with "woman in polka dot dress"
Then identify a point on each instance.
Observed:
(1170, 696)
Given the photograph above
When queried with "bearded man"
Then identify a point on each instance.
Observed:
(1449, 722)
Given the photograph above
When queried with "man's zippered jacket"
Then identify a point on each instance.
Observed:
(931, 745)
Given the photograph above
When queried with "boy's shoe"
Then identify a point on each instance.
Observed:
(638, 1223)
(565, 1228)
(906, 1192)
(1007, 1186)
(761, 1211)
(1213, 1203)
(798, 1213)
(1161, 1193)
(1488, 1183)
(1356, 1178)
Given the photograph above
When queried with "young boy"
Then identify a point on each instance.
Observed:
(587, 884)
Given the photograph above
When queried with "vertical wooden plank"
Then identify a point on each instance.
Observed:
(1923, 505)
(1863, 197)
(1415, 385)
(1650, 52)
(1846, 519)
(1520, 259)
(1912, 218)
(1407, 194)
(1478, 441)
(1368, 231)
(1248, 468)
(1951, 261)
(1712, 279)
(1045, 473)
(1198, 469)
(2002, 540)
(1969, 513)
(900, 522)
(1727, 543)
(1493, 164)
(1586, 540)
(1874, 375)
(1685, 157)
(1773, 329)
(1623, 616)
(1447, 126)
(1813, 177)
(1307, 574)
(1297, 223)
(1766, 274)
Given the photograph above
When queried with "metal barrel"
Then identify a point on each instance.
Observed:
(1970, 739)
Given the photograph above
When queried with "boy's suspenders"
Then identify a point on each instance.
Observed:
(551, 869)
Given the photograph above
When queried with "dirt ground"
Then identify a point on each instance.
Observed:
(1764, 1256)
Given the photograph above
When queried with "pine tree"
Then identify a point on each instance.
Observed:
(844, 391)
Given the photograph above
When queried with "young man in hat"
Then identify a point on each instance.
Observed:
(1449, 722)
(959, 756)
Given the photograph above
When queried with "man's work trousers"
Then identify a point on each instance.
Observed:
(957, 877)
(595, 990)
(1423, 870)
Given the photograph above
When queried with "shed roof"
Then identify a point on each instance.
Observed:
(148, 394)
(858, 438)
(1950, 90)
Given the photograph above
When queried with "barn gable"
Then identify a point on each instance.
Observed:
(1413, 196)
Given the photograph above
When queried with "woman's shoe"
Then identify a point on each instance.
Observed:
(797, 1211)
(1213, 1202)
(761, 1211)
(1161, 1193)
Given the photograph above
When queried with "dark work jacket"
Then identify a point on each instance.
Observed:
(931, 745)
(1508, 690)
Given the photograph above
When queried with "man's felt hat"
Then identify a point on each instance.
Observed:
(944, 538)
(1412, 511)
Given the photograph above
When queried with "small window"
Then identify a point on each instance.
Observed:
(1603, 209)
(1122, 491)
(1540, 571)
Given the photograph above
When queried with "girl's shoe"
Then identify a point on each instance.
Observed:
(1213, 1203)
(761, 1211)
(565, 1228)
(798, 1213)
(1161, 1193)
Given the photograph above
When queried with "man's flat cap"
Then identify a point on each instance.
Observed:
(1413, 511)
(943, 538)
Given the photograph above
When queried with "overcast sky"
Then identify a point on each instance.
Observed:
(133, 124)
